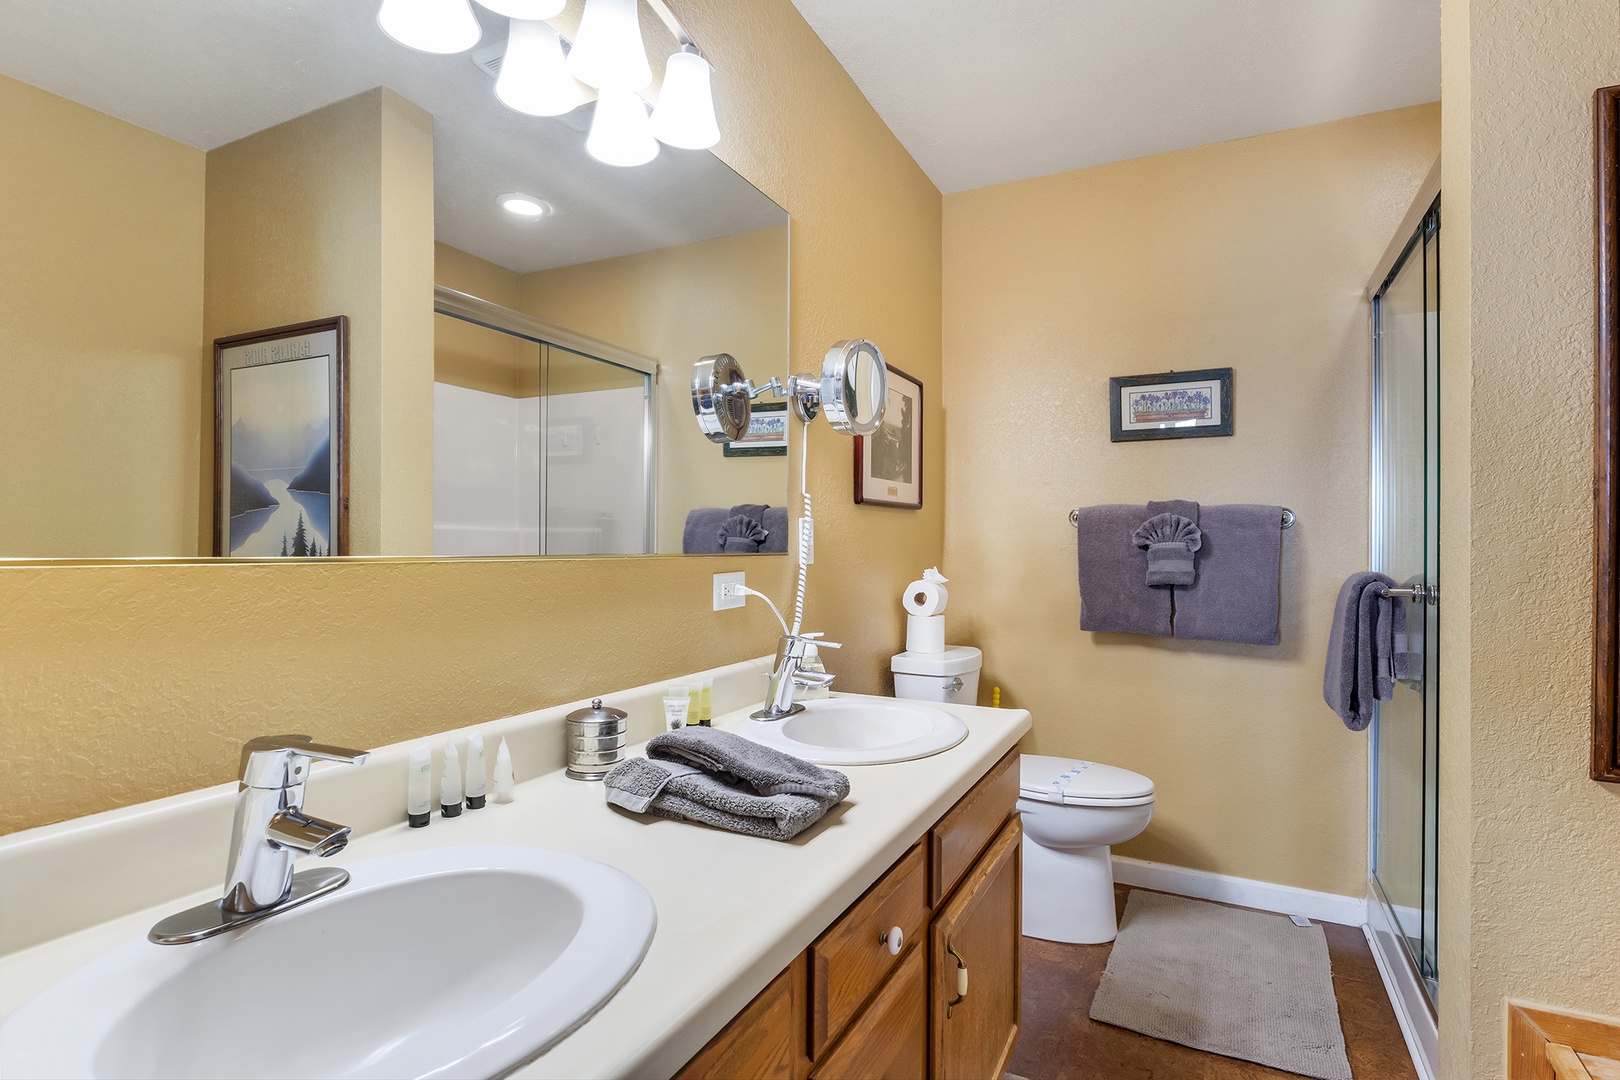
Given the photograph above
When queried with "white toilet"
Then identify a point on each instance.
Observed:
(952, 675)
(1072, 812)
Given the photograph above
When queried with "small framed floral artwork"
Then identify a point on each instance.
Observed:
(1171, 405)
(767, 434)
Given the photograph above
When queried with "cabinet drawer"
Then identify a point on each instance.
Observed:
(970, 825)
(849, 961)
(890, 1039)
(764, 1041)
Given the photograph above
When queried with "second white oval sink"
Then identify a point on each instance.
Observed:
(859, 731)
(460, 961)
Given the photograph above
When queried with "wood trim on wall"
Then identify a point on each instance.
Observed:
(1543, 1044)
(1606, 447)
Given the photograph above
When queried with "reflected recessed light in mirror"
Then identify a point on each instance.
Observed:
(524, 206)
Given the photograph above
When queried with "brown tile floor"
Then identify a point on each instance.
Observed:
(1060, 1041)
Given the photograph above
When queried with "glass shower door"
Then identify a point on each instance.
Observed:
(1406, 546)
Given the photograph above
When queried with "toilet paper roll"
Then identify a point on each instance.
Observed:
(925, 633)
(925, 598)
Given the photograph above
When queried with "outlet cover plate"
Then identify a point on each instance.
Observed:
(724, 596)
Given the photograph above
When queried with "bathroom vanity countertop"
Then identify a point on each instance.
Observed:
(733, 910)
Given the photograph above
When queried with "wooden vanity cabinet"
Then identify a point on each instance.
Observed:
(848, 1009)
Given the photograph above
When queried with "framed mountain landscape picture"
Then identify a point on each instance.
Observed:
(1170, 405)
(281, 477)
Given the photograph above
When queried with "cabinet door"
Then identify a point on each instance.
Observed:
(889, 1039)
(763, 1042)
(972, 1035)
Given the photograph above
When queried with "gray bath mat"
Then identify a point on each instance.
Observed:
(1238, 983)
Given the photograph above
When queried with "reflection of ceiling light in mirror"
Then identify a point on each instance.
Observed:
(684, 116)
(533, 76)
(608, 53)
(621, 133)
(435, 26)
(525, 9)
(526, 206)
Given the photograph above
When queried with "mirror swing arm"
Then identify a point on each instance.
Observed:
(852, 390)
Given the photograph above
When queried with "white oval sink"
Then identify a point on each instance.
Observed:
(463, 961)
(859, 731)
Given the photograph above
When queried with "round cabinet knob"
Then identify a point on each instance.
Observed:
(895, 939)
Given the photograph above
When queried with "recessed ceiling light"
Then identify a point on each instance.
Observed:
(524, 205)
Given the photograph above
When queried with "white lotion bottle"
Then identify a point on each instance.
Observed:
(419, 789)
(676, 707)
(475, 772)
(505, 782)
(450, 783)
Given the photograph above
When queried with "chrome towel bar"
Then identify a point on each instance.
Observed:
(1287, 523)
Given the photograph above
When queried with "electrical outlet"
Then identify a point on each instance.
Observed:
(728, 592)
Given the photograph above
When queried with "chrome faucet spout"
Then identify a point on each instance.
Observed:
(790, 655)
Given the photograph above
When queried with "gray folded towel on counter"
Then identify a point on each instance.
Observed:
(1237, 594)
(669, 789)
(1367, 648)
(736, 760)
(1170, 541)
(1113, 598)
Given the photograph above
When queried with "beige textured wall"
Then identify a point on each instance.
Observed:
(123, 683)
(332, 214)
(1529, 847)
(677, 305)
(102, 366)
(1251, 255)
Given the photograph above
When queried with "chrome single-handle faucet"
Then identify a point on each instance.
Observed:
(790, 654)
(270, 832)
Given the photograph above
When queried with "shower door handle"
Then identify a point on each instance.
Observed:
(1419, 593)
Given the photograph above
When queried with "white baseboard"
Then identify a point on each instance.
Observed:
(1406, 994)
(1244, 892)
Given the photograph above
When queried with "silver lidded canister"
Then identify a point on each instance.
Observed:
(596, 740)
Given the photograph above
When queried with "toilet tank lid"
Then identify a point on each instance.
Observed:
(957, 660)
(1055, 779)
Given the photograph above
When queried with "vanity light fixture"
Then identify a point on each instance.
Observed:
(434, 26)
(607, 60)
(534, 78)
(526, 206)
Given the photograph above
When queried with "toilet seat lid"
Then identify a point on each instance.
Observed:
(1068, 780)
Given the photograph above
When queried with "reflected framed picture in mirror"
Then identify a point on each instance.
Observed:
(767, 434)
(281, 442)
(889, 462)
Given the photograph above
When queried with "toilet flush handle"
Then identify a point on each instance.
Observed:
(954, 685)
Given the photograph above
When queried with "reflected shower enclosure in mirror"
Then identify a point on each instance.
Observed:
(183, 171)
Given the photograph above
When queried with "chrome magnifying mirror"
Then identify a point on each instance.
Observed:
(722, 397)
(853, 389)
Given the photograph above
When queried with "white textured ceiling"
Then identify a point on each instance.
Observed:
(208, 72)
(983, 93)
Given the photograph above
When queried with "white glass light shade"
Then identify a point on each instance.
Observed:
(435, 26)
(526, 9)
(534, 78)
(621, 134)
(684, 116)
(608, 53)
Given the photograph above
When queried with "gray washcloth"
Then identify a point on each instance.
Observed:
(1237, 595)
(1170, 541)
(1179, 507)
(1367, 649)
(670, 789)
(734, 759)
(1113, 595)
(742, 534)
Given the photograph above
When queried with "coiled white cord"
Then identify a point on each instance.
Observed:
(809, 515)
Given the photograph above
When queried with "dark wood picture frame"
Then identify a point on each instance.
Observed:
(1606, 447)
(870, 488)
(742, 448)
(339, 325)
(1118, 432)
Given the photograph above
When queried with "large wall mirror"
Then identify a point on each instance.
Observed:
(184, 171)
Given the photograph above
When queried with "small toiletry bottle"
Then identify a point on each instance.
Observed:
(706, 716)
(419, 789)
(676, 706)
(450, 783)
(694, 704)
(475, 772)
(504, 780)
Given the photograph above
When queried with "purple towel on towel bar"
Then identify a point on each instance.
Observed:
(1236, 594)
(1114, 596)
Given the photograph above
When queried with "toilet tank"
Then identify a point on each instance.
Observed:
(952, 675)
